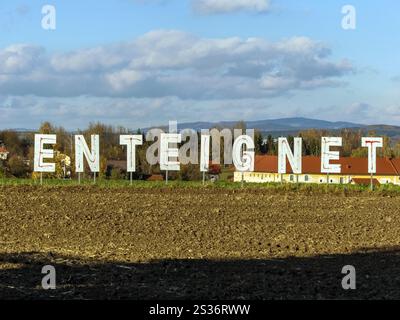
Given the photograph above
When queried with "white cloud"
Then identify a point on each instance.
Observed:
(173, 63)
(20, 58)
(227, 6)
(164, 74)
(123, 79)
(276, 83)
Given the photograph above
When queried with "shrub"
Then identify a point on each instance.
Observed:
(190, 172)
(17, 167)
(117, 174)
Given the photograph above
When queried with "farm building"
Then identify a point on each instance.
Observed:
(354, 171)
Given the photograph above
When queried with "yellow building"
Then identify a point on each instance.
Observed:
(354, 170)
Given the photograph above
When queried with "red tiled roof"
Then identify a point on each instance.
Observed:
(312, 165)
(360, 166)
(396, 164)
(3, 150)
(270, 164)
(266, 164)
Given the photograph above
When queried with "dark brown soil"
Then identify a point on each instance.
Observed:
(196, 244)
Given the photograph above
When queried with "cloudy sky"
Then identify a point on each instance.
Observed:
(143, 62)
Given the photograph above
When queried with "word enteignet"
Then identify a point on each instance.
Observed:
(242, 153)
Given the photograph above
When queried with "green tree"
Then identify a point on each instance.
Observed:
(259, 142)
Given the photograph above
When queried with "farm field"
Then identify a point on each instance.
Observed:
(197, 243)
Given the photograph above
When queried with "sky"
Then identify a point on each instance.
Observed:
(138, 63)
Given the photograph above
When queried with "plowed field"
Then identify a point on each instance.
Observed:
(185, 243)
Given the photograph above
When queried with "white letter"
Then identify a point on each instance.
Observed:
(41, 154)
(349, 281)
(49, 20)
(92, 157)
(166, 152)
(205, 153)
(131, 141)
(372, 144)
(246, 162)
(349, 20)
(49, 281)
(327, 154)
(294, 160)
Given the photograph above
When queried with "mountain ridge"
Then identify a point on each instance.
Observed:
(295, 123)
(280, 126)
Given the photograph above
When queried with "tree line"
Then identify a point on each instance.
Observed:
(21, 149)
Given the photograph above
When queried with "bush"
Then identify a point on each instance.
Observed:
(17, 167)
(190, 172)
(117, 174)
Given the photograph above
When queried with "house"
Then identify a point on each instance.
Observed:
(3, 153)
(354, 171)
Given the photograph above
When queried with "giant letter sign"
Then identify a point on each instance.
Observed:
(131, 141)
(294, 159)
(372, 143)
(245, 162)
(166, 152)
(327, 155)
(92, 156)
(41, 153)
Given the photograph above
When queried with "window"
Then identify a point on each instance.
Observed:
(291, 177)
(306, 178)
(341, 180)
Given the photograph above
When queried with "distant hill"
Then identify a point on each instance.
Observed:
(291, 126)
(383, 129)
(285, 124)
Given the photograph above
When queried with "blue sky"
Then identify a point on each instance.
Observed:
(144, 62)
